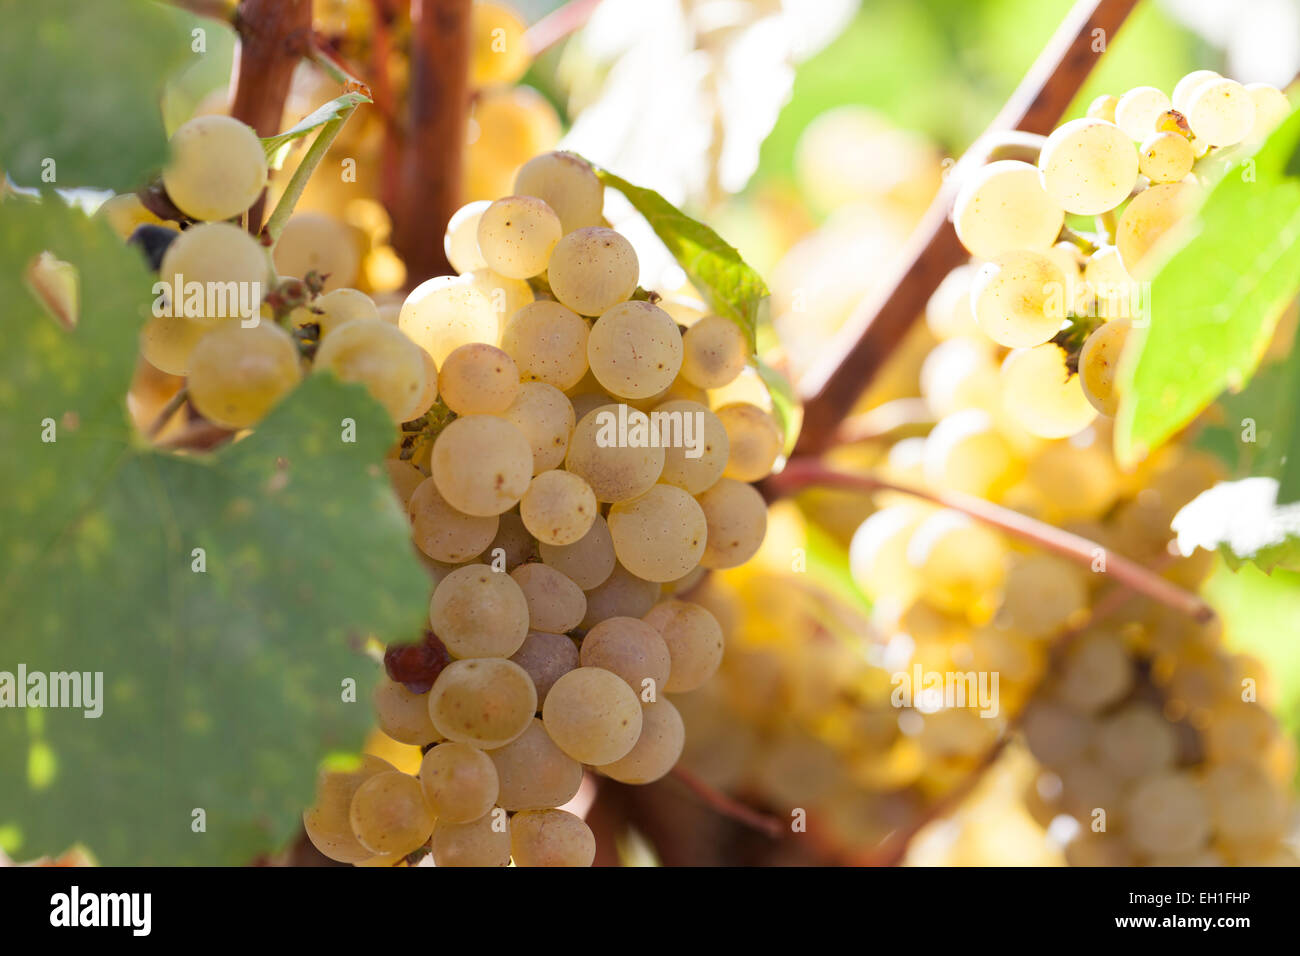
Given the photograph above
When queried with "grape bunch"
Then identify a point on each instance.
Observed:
(559, 539)
(1060, 296)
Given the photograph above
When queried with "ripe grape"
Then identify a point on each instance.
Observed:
(1020, 299)
(1099, 363)
(547, 658)
(167, 342)
(1137, 111)
(694, 640)
(1003, 208)
(1167, 813)
(513, 540)
(592, 715)
(549, 344)
(713, 352)
(966, 452)
(482, 464)
(1271, 108)
(1041, 593)
(402, 715)
(479, 613)
(544, 416)
(481, 842)
(1166, 157)
(1088, 166)
(630, 648)
(499, 52)
(389, 815)
(621, 594)
(1187, 86)
(957, 560)
(446, 312)
(736, 518)
(223, 259)
(555, 604)
(442, 532)
(1220, 112)
(694, 466)
(558, 508)
(878, 554)
(1150, 214)
(238, 374)
(551, 838)
(508, 126)
(217, 168)
(313, 242)
(1135, 741)
(381, 358)
(478, 379)
(516, 235)
(587, 562)
(1042, 395)
(959, 374)
(1096, 672)
(533, 772)
(485, 702)
(460, 241)
(635, 350)
(948, 311)
(459, 782)
(1103, 107)
(754, 440)
(506, 295)
(1247, 808)
(659, 535)
(125, 214)
(567, 184)
(592, 270)
(614, 471)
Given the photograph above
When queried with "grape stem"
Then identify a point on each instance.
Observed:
(831, 388)
(804, 473)
(725, 805)
(273, 36)
(165, 414)
(298, 182)
(559, 24)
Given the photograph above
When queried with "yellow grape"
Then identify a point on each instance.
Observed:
(558, 508)
(314, 242)
(1020, 299)
(592, 270)
(479, 613)
(592, 715)
(442, 532)
(633, 650)
(217, 168)
(238, 374)
(1099, 363)
(1003, 208)
(478, 379)
(551, 838)
(485, 702)
(1088, 166)
(459, 782)
(516, 235)
(555, 604)
(482, 464)
(567, 183)
(381, 358)
(659, 535)
(389, 815)
(481, 842)
(533, 772)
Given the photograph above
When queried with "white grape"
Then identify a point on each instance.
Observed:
(1088, 166)
(567, 184)
(635, 350)
(1138, 109)
(516, 235)
(217, 167)
(1002, 207)
(460, 241)
(592, 270)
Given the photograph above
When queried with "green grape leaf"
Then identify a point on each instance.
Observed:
(729, 286)
(223, 669)
(82, 82)
(1216, 301)
(1244, 523)
(277, 147)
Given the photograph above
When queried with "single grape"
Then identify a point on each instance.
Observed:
(621, 594)
(592, 270)
(1020, 299)
(1003, 208)
(544, 416)
(460, 241)
(588, 561)
(1220, 112)
(592, 715)
(1095, 673)
(1166, 157)
(533, 772)
(167, 342)
(659, 535)
(1041, 593)
(614, 471)
(479, 613)
(217, 168)
(1099, 363)
(482, 464)
(551, 838)
(959, 561)
(446, 312)
(499, 52)
(1271, 108)
(1135, 741)
(567, 184)
(478, 379)
(736, 518)
(635, 350)
(442, 532)
(694, 640)
(555, 604)
(549, 344)
(237, 374)
(485, 702)
(558, 508)
(481, 842)
(459, 782)
(1187, 86)
(948, 311)
(508, 126)
(754, 439)
(1168, 812)
(334, 309)
(695, 464)
(403, 715)
(513, 542)
(1088, 166)
(632, 649)
(516, 235)
(314, 242)
(967, 452)
(227, 264)
(547, 657)
(1137, 110)
(1103, 108)
(1151, 213)
(381, 358)
(714, 351)
(1042, 395)
(389, 815)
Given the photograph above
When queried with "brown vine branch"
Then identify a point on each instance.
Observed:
(728, 807)
(559, 24)
(274, 35)
(831, 387)
(806, 473)
(434, 150)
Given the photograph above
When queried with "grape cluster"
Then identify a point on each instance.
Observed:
(1062, 300)
(559, 546)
